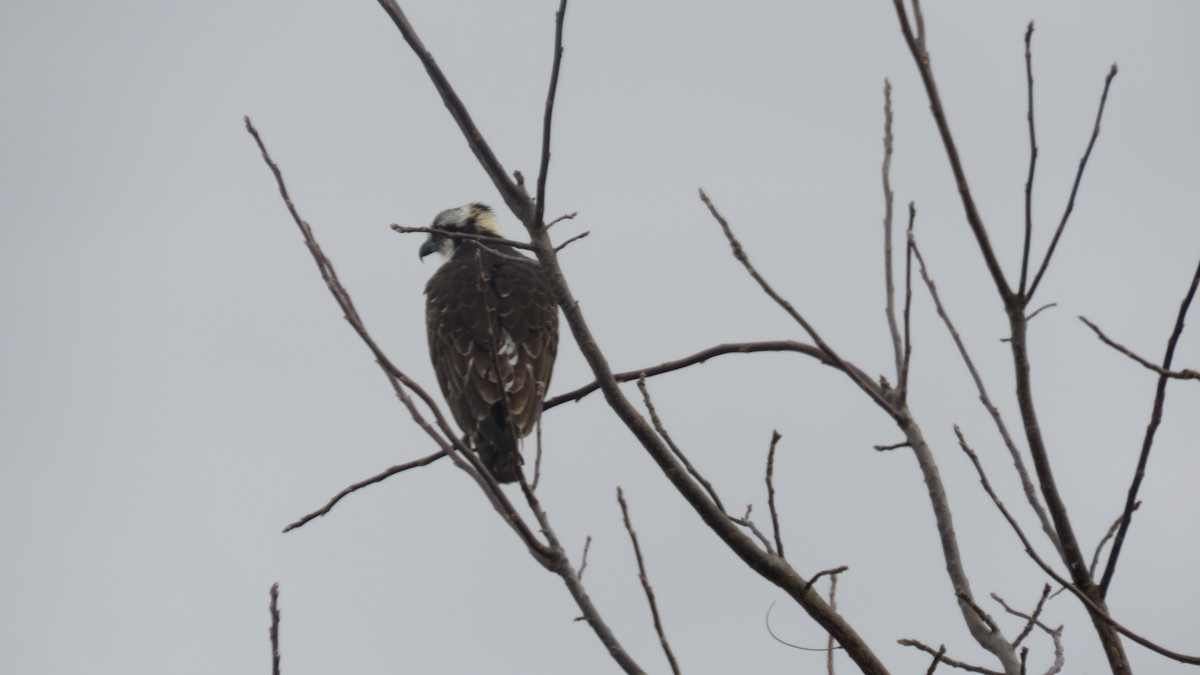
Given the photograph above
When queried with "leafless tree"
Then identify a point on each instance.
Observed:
(1057, 550)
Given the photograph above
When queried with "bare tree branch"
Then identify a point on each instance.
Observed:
(514, 195)
(587, 545)
(890, 286)
(701, 357)
(1185, 374)
(544, 167)
(1160, 396)
(1054, 633)
(833, 605)
(916, 45)
(1033, 617)
(937, 658)
(1026, 483)
(537, 461)
(572, 240)
(745, 522)
(562, 567)
(464, 236)
(637, 551)
(1095, 609)
(832, 572)
(1112, 531)
(377, 478)
(1033, 154)
(662, 431)
(771, 494)
(908, 257)
(565, 216)
(873, 390)
(275, 655)
(940, 657)
(1074, 188)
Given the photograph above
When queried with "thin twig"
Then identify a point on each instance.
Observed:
(377, 478)
(1112, 531)
(767, 620)
(771, 494)
(1033, 154)
(1185, 374)
(466, 236)
(745, 522)
(1027, 485)
(561, 565)
(662, 431)
(537, 462)
(1032, 617)
(275, 654)
(544, 167)
(1054, 633)
(953, 663)
(587, 545)
(637, 551)
(908, 258)
(832, 605)
(1160, 396)
(576, 238)
(893, 446)
(1074, 188)
(937, 658)
(869, 387)
(1039, 310)
(565, 216)
(831, 572)
(701, 357)
(1095, 609)
(888, 274)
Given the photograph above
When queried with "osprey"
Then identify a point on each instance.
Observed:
(493, 335)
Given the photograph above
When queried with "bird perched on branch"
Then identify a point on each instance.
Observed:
(493, 335)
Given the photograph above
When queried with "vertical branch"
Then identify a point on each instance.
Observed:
(275, 656)
(771, 495)
(832, 605)
(637, 551)
(887, 232)
(1160, 395)
(1033, 155)
(908, 258)
(544, 169)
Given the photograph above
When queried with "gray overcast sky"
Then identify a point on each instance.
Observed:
(177, 385)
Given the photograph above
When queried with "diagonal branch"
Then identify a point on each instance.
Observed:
(1062, 224)
(377, 478)
(1096, 609)
(1160, 396)
(1019, 463)
(873, 390)
(939, 656)
(514, 196)
(1185, 374)
(637, 552)
(916, 45)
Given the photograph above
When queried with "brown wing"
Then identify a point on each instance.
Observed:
(493, 336)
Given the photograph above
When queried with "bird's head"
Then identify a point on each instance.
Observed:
(473, 218)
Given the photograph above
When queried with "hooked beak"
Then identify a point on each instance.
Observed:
(432, 245)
